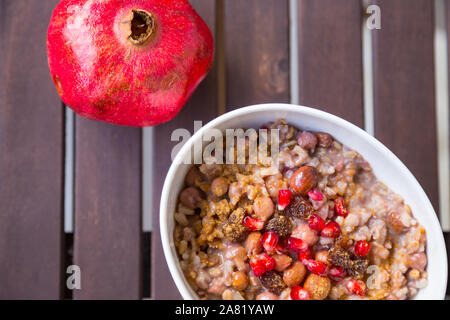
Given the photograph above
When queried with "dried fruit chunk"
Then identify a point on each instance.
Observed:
(341, 258)
(325, 139)
(233, 229)
(299, 208)
(303, 180)
(273, 281)
(281, 225)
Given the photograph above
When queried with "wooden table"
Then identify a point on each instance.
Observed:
(255, 63)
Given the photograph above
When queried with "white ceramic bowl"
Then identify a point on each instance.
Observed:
(386, 166)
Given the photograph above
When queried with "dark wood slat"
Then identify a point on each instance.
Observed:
(31, 156)
(404, 87)
(202, 106)
(107, 241)
(257, 52)
(330, 57)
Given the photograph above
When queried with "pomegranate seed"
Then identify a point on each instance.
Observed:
(357, 287)
(362, 248)
(331, 230)
(316, 222)
(339, 207)
(315, 195)
(298, 293)
(262, 263)
(316, 267)
(284, 198)
(297, 245)
(302, 256)
(252, 224)
(269, 241)
(336, 273)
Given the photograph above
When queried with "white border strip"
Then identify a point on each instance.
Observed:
(293, 34)
(147, 174)
(367, 52)
(442, 111)
(69, 171)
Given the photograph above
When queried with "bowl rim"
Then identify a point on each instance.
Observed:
(173, 261)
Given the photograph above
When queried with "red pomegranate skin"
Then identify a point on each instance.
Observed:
(103, 73)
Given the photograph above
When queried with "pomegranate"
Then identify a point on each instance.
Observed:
(339, 207)
(356, 287)
(336, 273)
(284, 198)
(252, 224)
(331, 230)
(362, 248)
(315, 195)
(316, 222)
(316, 267)
(296, 245)
(298, 293)
(133, 63)
(261, 264)
(269, 241)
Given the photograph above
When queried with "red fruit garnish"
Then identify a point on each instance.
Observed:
(284, 198)
(336, 273)
(316, 267)
(298, 293)
(252, 224)
(144, 58)
(339, 207)
(362, 248)
(261, 264)
(269, 241)
(331, 230)
(302, 256)
(297, 245)
(315, 195)
(357, 287)
(316, 222)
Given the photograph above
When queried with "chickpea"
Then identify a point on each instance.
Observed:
(253, 243)
(282, 261)
(263, 208)
(191, 197)
(219, 186)
(322, 256)
(417, 261)
(240, 281)
(295, 274)
(317, 287)
(267, 295)
(193, 176)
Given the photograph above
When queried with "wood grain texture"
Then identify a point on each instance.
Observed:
(202, 106)
(257, 52)
(31, 156)
(330, 57)
(404, 101)
(107, 239)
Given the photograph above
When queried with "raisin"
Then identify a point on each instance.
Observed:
(299, 208)
(281, 225)
(273, 281)
(325, 139)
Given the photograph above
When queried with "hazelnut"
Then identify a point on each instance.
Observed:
(318, 287)
(303, 180)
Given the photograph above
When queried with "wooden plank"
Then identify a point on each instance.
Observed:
(107, 240)
(202, 106)
(404, 101)
(257, 52)
(31, 156)
(330, 57)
